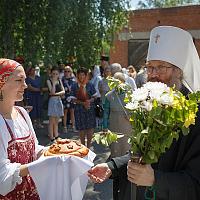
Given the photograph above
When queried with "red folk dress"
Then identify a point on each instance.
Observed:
(22, 150)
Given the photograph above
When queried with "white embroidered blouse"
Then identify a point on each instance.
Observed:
(9, 172)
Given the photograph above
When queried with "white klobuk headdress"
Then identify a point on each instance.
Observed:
(175, 46)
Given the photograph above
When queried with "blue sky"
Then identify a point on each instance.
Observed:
(134, 3)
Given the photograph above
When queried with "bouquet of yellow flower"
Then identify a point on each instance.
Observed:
(158, 114)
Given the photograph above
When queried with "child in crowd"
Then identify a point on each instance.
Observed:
(55, 106)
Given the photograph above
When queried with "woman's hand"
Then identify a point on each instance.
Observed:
(23, 170)
(99, 173)
(142, 175)
(86, 104)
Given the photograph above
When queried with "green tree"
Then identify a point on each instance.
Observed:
(71, 30)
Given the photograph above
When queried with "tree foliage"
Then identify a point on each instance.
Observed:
(71, 30)
(164, 3)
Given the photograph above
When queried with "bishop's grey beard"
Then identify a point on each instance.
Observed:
(176, 80)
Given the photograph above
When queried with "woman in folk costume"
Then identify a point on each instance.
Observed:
(18, 142)
(84, 93)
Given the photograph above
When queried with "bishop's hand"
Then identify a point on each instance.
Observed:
(99, 173)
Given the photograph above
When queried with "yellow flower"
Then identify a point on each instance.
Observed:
(190, 120)
(176, 104)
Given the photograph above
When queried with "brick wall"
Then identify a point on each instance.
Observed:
(120, 49)
(142, 21)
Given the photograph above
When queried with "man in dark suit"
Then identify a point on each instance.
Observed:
(172, 59)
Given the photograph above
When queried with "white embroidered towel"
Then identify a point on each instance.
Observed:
(61, 177)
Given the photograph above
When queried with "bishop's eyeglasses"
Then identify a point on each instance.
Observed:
(160, 69)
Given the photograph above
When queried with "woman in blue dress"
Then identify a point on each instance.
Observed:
(85, 119)
(68, 81)
(34, 97)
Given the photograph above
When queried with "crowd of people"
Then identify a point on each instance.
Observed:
(172, 59)
(72, 96)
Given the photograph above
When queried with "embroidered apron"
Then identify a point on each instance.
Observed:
(22, 150)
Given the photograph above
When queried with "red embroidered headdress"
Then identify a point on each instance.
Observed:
(7, 67)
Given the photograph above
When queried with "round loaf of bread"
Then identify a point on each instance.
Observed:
(67, 147)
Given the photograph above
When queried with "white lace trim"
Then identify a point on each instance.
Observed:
(17, 179)
(10, 176)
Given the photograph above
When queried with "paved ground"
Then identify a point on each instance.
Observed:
(94, 191)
